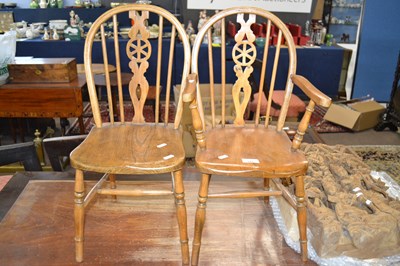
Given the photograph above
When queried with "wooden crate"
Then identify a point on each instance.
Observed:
(42, 70)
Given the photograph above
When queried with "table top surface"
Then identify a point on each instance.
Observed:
(79, 82)
(97, 68)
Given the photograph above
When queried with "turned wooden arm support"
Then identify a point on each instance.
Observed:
(189, 92)
(189, 96)
(316, 98)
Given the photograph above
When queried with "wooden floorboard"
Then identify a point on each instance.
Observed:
(39, 229)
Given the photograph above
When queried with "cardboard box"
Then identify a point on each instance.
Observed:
(189, 138)
(356, 116)
(43, 70)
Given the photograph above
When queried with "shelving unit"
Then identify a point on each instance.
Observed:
(46, 14)
(342, 18)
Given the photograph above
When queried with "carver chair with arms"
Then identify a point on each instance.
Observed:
(133, 146)
(243, 148)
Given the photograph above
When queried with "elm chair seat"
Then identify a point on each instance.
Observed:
(228, 149)
(156, 148)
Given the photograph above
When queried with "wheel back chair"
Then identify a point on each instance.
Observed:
(249, 148)
(133, 147)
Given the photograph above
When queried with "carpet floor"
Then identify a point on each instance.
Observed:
(385, 158)
(321, 125)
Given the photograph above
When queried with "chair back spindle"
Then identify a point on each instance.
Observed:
(118, 69)
(262, 74)
(169, 74)
(211, 74)
(107, 74)
(159, 62)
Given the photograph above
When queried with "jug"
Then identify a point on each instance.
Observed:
(53, 4)
(20, 28)
(33, 4)
(43, 4)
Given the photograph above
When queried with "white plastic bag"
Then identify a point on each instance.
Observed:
(8, 43)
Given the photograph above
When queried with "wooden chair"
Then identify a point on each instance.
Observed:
(22, 152)
(133, 147)
(60, 147)
(249, 149)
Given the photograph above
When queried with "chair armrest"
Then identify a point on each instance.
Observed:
(316, 98)
(189, 92)
(311, 91)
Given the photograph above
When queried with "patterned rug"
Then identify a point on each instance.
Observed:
(321, 125)
(88, 120)
(384, 158)
(317, 120)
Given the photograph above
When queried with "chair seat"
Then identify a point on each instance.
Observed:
(250, 151)
(130, 149)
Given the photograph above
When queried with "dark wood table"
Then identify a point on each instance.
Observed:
(36, 100)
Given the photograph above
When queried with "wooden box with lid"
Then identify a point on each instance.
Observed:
(42, 70)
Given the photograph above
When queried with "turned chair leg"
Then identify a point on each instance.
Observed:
(79, 213)
(302, 216)
(266, 188)
(200, 217)
(179, 193)
(112, 178)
